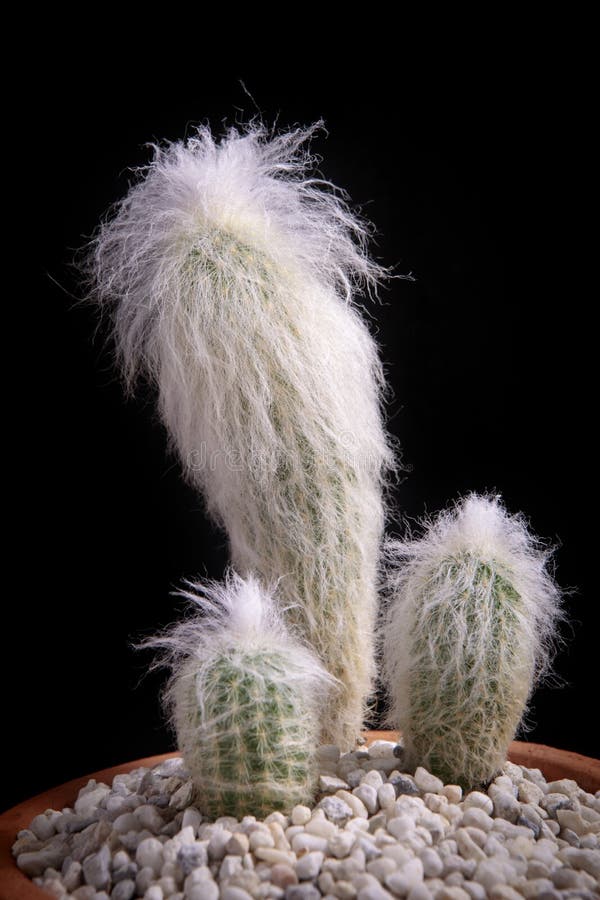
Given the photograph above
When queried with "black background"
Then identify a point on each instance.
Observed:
(477, 178)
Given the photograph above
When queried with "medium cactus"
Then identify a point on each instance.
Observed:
(245, 699)
(468, 630)
(231, 275)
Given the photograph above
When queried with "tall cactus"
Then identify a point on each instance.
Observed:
(469, 628)
(245, 698)
(231, 276)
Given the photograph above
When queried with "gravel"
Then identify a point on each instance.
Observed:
(374, 833)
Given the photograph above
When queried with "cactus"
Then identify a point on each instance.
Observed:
(468, 631)
(245, 699)
(231, 276)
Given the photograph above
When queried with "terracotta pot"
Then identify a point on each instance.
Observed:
(16, 886)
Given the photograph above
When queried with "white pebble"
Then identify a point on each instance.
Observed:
(230, 865)
(150, 854)
(368, 794)
(260, 838)
(477, 817)
(425, 781)
(238, 844)
(303, 843)
(231, 892)
(386, 795)
(273, 855)
(355, 803)
(301, 815)
(432, 864)
(453, 792)
(154, 892)
(341, 844)
(401, 826)
(309, 865)
(205, 890)
(372, 777)
(42, 828)
(410, 874)
(478, 800)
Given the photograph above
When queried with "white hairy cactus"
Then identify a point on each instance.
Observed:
(231, 274)
(245, 698)
(468, 630)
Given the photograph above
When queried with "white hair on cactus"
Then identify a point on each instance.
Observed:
(245, 698)
(231, 275)
(469, 628)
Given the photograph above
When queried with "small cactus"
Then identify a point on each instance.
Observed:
(245, 699)
(468, 630)
(231, 275)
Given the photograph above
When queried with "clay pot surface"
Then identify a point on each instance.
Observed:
(14, 885)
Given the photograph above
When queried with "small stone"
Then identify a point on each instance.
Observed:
(154, 892)
(87, 803)
(355, 803)
(85, 892)
(238, 844)
(419, 892)
(217, 843)
(401, 826)
(368, 794)
(300, 815)
(336, 810)
(124, 890)
(478, 800)
(148, 817)
(432, 864)
(425, 781)
(149, 854)
(260, 838)
(506, 806)
(309, 865)
(453, 793)
(306, 843)
(96, 868)
(231, 892)
(231, 865)
(144, 879)
(126, 822)
(182, 796)
(329, 784)
(192, 856)
(282, 875)
(272, 855)
(474, 890)
(382, 749)
(552, 802)
(373, 777)
(564, 786)
(386, 795)
(344, 890)
(404, 784)
(42, 827)
(302, 892)
(478, 818)
(205, 890)
(452, 893)
(568, 818)
(402, 881)
(504, 892)
(341, 844)
(191, 817)
(587, 860)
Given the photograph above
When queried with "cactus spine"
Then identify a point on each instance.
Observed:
(245, 699)
(468, 630)
(231, 275)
